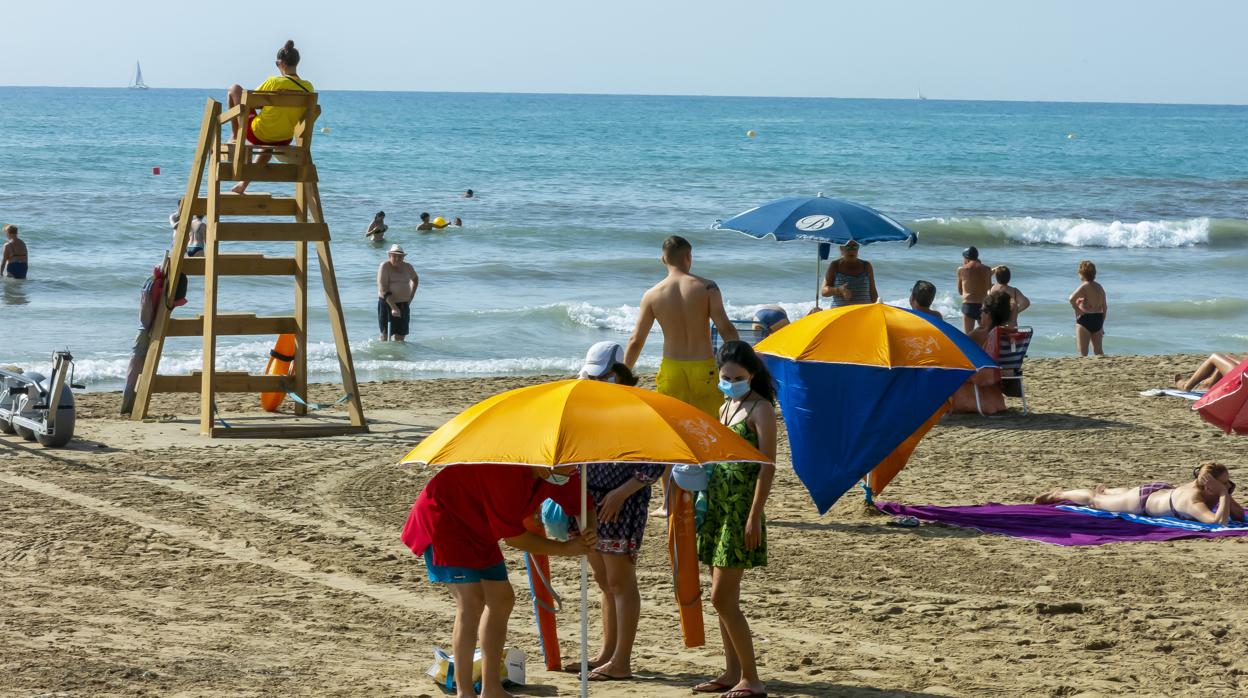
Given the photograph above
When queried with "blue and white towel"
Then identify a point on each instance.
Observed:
(1164, 521)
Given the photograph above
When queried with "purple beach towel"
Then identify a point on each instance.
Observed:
(1048, 524)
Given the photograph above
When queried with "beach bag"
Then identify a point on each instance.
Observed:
(555, 520)
(443, 669)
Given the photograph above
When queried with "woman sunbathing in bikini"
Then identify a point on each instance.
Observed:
(1206, 499)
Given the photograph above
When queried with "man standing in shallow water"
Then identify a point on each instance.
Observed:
(685, 305)
(14, 261)
(974, 280)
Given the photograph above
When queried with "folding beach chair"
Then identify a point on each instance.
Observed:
(1012, 351)
(745, 328)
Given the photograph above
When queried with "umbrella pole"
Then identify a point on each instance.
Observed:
(584, 589)
(818, 274)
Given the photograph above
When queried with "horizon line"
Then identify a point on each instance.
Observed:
(556, 93)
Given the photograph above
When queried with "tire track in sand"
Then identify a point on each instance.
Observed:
(233, 548)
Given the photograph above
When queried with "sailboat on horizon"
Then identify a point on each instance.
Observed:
(138, 83)
(921, 97)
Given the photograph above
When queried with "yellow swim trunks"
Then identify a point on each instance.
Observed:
(695, 382)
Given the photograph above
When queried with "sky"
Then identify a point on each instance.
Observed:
(1042, 50)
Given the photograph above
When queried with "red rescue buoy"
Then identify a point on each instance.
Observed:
(155, 170)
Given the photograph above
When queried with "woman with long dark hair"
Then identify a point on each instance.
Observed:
(733, 537)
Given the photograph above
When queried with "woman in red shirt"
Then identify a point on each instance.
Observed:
(456, 524)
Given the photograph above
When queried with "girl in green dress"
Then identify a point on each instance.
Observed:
(733, 537)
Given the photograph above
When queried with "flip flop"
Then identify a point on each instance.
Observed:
(711, 687)
(744, 693)
(603, 676)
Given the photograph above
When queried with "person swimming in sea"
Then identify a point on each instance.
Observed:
(377, 229)
(1206, 499)
(469, 194)
(15, 261)
(425, 223)
(1090, 306)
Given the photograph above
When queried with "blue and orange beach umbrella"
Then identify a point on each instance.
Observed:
(859, 386)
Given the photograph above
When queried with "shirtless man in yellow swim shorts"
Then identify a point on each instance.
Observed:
(685, 305)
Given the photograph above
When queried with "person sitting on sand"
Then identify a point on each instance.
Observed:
(849, 280)
(1207, 498)
(397, 282)
(272, 126)
(15, 262)
(922, 295)
(770, 318)
(1018, 302)
(1209, 372)
(377, 229)
(685, 306)
(622, 494)
(196, 234)
(456, 524)
(1091, 306)
(425, 223)
(733, 537)
(974, 280)
(994, 319)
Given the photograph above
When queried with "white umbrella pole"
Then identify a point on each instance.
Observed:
(584, 590)
(818, 274)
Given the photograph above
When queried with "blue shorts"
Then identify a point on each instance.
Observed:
(439, 574)
(17, 270)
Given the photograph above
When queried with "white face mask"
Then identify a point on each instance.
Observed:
(558, 479)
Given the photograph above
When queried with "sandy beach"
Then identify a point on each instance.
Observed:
(147, 560)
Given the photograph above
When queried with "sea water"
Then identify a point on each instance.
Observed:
(577, 192)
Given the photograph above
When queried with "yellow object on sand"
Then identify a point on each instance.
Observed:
(692, 381)
(582, 421)
(440, 222)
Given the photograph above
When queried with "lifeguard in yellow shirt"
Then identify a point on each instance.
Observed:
(272, 125)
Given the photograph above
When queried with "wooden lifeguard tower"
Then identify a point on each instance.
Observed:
(232, 162)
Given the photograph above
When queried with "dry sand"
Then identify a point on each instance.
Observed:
(147, 560)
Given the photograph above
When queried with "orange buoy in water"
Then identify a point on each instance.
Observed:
(281, 363)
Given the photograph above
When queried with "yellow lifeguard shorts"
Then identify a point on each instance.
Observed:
(695, 382)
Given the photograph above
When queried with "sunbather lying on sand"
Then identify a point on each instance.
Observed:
(1209, 372)
(1206, 499)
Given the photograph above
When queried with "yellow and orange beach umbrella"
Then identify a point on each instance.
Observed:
(582, 422)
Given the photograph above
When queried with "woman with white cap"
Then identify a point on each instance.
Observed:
(396, 286)
(621, 492)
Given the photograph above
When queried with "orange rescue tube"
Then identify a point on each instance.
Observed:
(682, 548)
(281, 363)
(544, 607)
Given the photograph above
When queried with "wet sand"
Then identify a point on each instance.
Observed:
(147, 560)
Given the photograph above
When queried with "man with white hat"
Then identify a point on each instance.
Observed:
(396, 285)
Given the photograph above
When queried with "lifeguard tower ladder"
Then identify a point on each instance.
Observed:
(232, 162)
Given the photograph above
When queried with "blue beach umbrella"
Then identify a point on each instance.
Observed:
(825, 220)
(858, 387)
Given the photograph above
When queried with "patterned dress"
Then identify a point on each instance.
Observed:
(730, 495)
(622, 536)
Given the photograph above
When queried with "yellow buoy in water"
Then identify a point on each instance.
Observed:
(440, 222)
(751, 133)
(1070, 136)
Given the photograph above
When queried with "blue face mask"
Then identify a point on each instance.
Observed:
(558, 479)
(736, 390)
